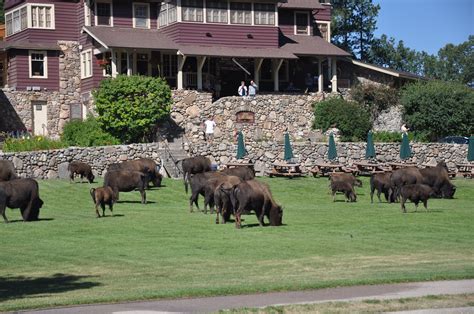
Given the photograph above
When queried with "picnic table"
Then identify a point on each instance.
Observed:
(240, 164)
(370, 168)
(325, 169)
(283, 169)
(465, 170)
(400, 165)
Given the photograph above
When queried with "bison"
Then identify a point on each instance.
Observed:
(198, 183)
(23, 194)
(146, 166)
(344, 187)
(345, 177)
(7, 170)
(102, 196)
(253, 195)
(213, 184)
(415, 193)
(381, 183)
(82, 169)
(245, 173)
(126, 181)
(194, 165)
(404, 176)
(438, 179)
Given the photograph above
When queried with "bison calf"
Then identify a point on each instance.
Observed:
(344, 187)
(415, 193)
(22, 194)
(82, 169)
(102, 196)
(345, 177)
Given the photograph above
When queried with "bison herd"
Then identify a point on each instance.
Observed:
(230, 192)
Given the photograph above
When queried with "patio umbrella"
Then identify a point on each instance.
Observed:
(470, 149)
(241, 152)
(405, 151)
(332, 153)
(370, 149)
(288, 150)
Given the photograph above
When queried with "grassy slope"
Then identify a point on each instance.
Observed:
(161, 250)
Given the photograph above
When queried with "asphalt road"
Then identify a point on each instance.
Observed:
(205, 305)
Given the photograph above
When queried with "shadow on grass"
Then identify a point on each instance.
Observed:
(135, 202)
(113, 216)
(33, 221)
(16, 287)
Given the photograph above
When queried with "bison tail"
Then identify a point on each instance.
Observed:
(92, 191)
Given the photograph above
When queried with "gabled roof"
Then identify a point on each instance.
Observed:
(301, 4)
(401, 74)
(302, 45)
(115, 37)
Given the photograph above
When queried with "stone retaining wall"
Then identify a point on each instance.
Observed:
(53, 163)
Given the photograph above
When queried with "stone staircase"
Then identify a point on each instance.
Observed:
(172, 153)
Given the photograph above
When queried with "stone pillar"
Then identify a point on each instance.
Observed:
(276, 78)
(180, 75)
(200, 63)
(321, 76)
(334, 75)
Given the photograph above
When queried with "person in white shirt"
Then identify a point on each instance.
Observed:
(253, 89)
(242, 89)
(209, 124)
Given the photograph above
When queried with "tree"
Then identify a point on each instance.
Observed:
(353, 26)
(456, 63)
(129, 107)
(2, 12)
(436, 109)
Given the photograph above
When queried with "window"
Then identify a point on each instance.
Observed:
(103, 13)
(245, 117)
(75, 110)
(38, 64)
(192, 10)
(301, 23)
(87, 13)
(16, 20)
(170, 65)
(240, 13)
(42, 16)
(264, 14)
(323, 28)
(167, 13)
(141, 15)
(216, 12)
(86, 64)
(142, 63)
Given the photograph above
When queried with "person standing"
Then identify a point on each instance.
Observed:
(308, 81)
(253, 89)
(242, 89)
(209, 124)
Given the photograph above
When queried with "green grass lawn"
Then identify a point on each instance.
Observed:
(160, 250)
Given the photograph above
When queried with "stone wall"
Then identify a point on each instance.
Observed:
(389, 120)
(53, 163)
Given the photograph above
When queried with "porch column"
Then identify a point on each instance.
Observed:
(321, 76)
(180, 78)
(114, 63)
(256, 71)
(276, 79)
(200, 64)
(334, 75)
(129, 64)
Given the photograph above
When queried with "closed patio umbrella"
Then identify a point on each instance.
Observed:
(405, 151)
(470, 149)
(241, 152)
(370, 148)
(332, 153)
(288, 150)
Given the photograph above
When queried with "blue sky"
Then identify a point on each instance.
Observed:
(426, 24)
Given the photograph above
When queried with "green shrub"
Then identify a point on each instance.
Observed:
(349, 117)
(31, 144)
(129, 107)
(86, 133)
(375, 98)
(436, 109)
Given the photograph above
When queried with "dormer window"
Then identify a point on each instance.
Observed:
(192, 10)
(301, 23)
(141, 15)
(240, 13)
(103, 14)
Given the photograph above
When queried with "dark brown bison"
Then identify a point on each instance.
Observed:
(256, 196)
(438, 179)
(415, 193)
(194, 165)
(345, 177)
(245, 173)
(146, 166)
(82, 169)
(126, 181)
(101, 197)
(225, 182)
(22, 194)
(7, 170)
(404, 176)
(344, 187)
(381, 183)
(198, 183)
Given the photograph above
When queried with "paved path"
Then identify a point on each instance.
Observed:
(389, 291)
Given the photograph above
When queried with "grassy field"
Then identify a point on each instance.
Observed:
(160, 250)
